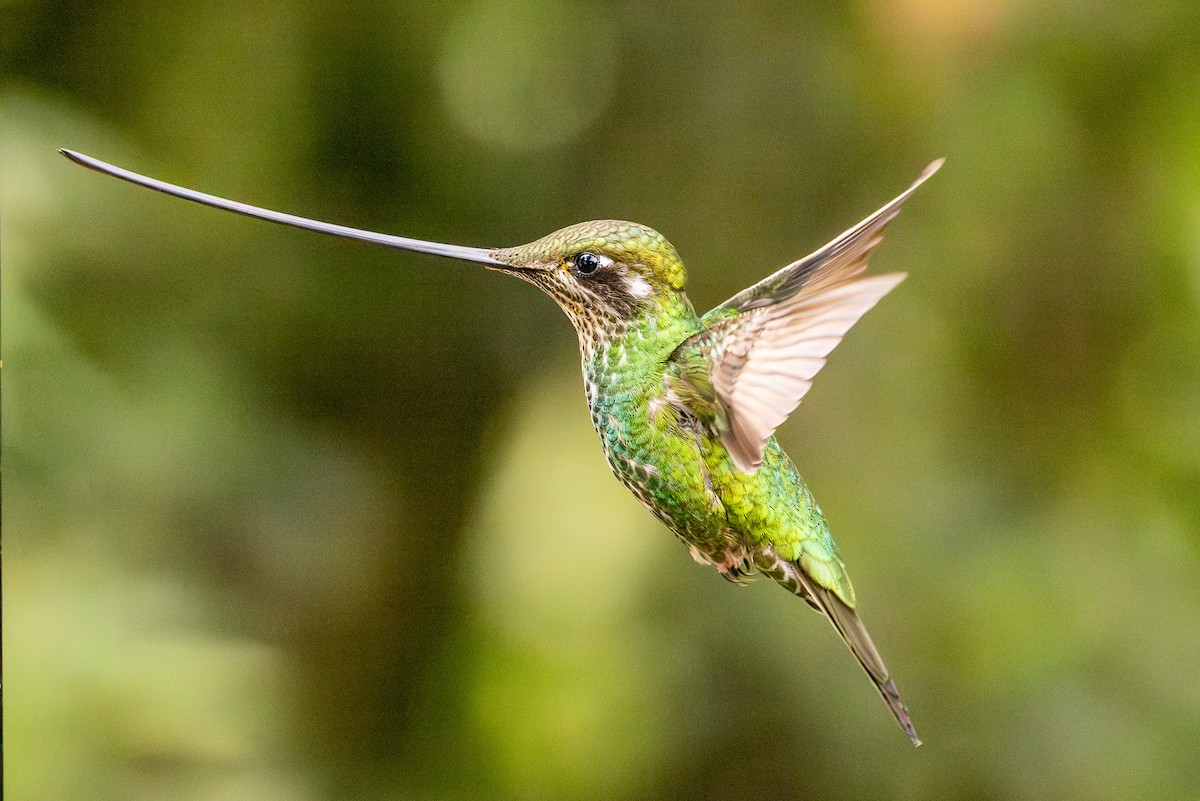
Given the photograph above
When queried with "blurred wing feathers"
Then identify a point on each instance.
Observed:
(838, 262)
(769, 356)
(765, 344)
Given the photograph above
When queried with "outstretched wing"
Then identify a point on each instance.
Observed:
(762, 347)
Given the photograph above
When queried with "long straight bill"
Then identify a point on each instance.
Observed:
(402, 243)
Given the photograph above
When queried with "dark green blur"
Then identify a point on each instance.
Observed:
(290, 518)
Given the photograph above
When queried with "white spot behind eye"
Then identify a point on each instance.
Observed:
(638, 287)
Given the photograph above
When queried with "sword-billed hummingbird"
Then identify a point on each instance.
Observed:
(686, 406)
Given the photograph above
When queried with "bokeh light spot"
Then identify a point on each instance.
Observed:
(529, 74)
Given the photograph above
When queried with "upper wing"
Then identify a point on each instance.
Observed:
(763, 346)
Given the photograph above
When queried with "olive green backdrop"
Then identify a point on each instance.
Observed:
(292, 519)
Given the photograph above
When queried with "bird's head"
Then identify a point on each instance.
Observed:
(602, 273)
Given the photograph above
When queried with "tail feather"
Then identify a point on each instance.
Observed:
(847, 623)
(855, 635)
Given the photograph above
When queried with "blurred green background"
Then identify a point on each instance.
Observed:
(292, 518)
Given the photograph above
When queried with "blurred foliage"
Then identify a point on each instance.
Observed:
(292, 518)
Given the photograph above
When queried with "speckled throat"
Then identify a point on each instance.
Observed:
(623, 363)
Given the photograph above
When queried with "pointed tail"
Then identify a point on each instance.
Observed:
(855, 635)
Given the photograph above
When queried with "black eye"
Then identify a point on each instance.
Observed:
(586, 263)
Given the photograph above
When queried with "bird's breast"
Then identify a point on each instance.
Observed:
(651, 453)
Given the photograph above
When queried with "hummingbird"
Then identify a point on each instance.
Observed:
(686, 406)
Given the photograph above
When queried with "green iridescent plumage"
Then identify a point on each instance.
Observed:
(686, 406)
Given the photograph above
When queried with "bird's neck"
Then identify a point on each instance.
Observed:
(622, 358)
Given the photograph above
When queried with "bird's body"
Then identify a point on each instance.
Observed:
(733, 520)
(681, 473)
(686, 406)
